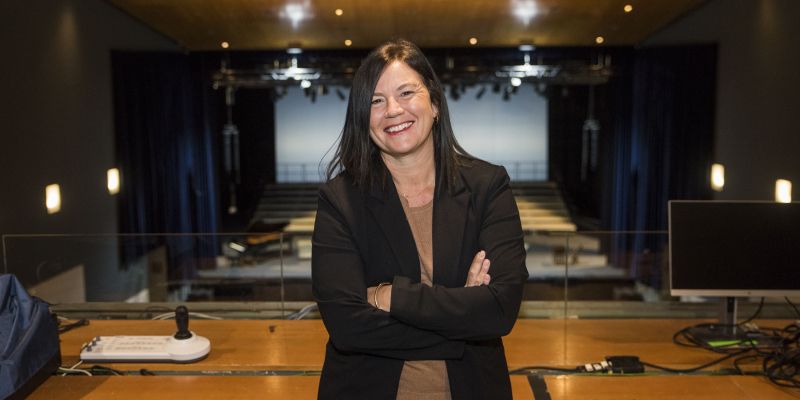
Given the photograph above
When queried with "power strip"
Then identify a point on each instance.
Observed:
(145, 349)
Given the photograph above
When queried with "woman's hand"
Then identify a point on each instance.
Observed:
(384, 297)
(479, 271)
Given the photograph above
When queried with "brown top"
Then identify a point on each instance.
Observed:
(423, 380)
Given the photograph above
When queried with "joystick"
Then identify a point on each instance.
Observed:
(182, 347)
(182, 320)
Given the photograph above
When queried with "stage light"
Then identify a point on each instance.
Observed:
(52, 195)
(224, 45)
(527, 47)
(348, 42)
(305, 84)
(628, 8)
(112, 177)
(294, 50)
(783, 191)
(339, 12)
(717, 177)
(599, 40)
(516, 81)
(473, 41)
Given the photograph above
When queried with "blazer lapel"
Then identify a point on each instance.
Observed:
(388, 212)
(449, 219)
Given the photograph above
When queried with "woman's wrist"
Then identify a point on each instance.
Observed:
(382, 302)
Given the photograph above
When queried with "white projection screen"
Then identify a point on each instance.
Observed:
(512, 133)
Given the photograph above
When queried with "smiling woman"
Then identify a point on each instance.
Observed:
(399, 187)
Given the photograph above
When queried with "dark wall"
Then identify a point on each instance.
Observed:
(56, 111)
(757, 134)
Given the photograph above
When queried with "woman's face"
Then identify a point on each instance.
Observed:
(401, 115)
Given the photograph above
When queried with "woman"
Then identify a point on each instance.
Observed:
(402, 245)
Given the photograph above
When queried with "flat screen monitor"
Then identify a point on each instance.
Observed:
(734, 248)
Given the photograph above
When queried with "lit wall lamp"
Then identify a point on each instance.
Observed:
(52, 198)
(717, 177)
(783, 191)
(113, 180)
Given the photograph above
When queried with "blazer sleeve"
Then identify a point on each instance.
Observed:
(338, 285)
(478, 312)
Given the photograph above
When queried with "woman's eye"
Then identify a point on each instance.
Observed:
(376, 101)
(407, 93)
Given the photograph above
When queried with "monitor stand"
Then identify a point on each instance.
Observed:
(728, 334)
(726, 331)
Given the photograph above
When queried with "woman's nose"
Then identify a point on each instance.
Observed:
(393, 108)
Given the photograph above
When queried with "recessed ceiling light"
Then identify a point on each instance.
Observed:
(224, 45)
(339, 12)
(628, 8)
(599, 40)
(348, 42)
(526, 47)
(473, 41)
(525, 10)
(294, 50)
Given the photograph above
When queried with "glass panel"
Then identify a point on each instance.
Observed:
(161, 267)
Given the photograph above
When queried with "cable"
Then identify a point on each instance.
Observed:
(755, 314)
(68, 327)
(170, 315)
(698, 368)
(544, 368)
(793, 306)
(300, 314)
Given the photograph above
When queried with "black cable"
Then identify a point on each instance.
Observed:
(793, 306)
(101, 370)
(543, 368)
(694, 369)
(755, 314)
(68, 327)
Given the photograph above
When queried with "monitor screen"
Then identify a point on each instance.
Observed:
(720, 248)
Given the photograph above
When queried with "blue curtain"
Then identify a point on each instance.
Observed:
(165, 151)
(663, 151)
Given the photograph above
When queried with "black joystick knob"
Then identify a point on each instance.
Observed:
(182, 320)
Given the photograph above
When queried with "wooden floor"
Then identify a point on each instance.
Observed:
(281, 359)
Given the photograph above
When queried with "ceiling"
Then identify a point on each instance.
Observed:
(313, 24)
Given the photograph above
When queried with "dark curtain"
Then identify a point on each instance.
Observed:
(164, 150)
(663, 153)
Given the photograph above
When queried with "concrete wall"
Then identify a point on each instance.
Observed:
(758, 89)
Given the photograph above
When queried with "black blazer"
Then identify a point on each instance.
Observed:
(362, 238)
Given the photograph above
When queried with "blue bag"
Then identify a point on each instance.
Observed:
(29, 346)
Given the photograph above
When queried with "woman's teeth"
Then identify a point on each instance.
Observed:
(398, 128)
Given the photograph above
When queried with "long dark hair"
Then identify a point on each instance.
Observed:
(357, 155)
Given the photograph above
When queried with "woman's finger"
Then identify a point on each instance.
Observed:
(475, 269)
(483, 271)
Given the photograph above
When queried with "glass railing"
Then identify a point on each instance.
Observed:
(571, 274)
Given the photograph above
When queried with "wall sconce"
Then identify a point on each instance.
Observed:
(783, 191)
(717, 177)
(52, 198)
(113, 180)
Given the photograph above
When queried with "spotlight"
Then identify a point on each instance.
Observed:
(516, 82)
(305, 84)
